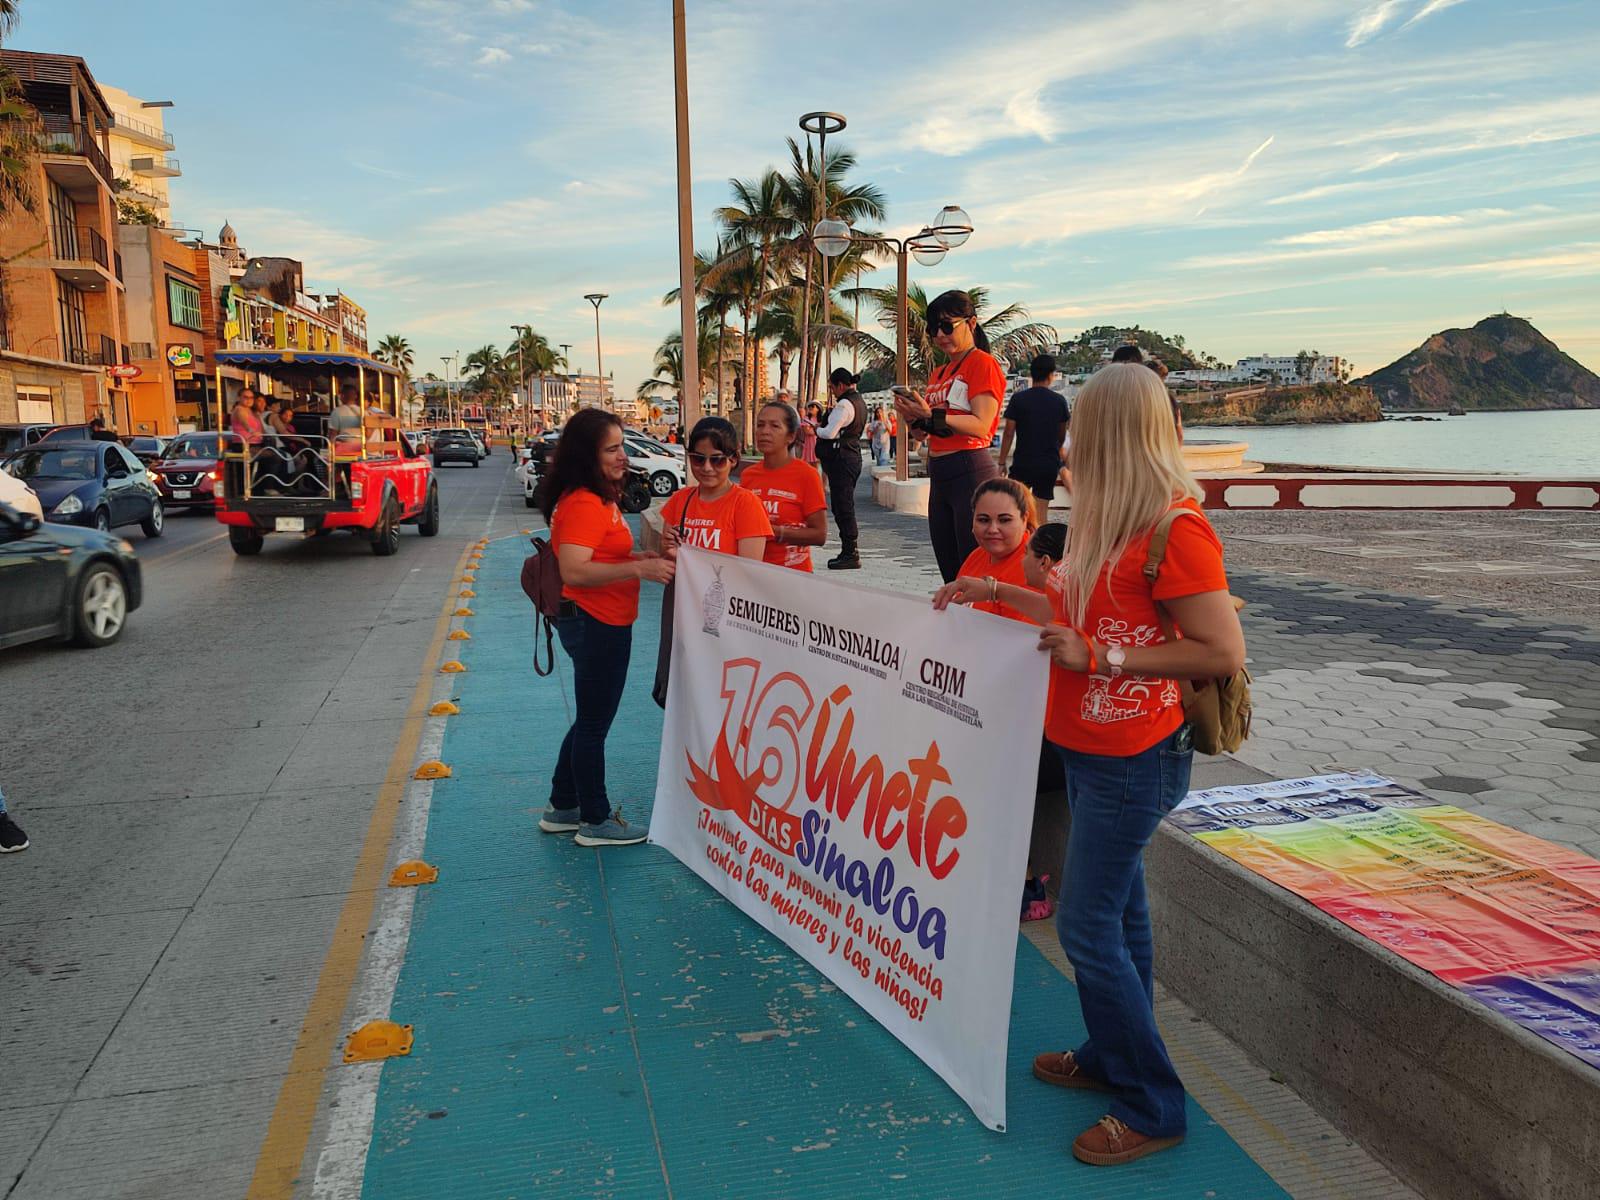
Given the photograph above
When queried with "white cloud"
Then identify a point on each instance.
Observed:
(492, 56)
(1429, 9)
(1369, 22)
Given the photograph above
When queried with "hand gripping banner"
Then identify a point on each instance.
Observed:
(856, 772)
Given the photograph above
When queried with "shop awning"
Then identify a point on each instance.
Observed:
(259, 359)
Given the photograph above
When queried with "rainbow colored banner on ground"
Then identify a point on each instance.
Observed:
(1508, 918)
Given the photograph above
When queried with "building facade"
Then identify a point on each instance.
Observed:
(61, 286)
(141, 156)
(591, 391)
(166, 329)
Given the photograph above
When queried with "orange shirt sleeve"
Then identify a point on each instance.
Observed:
(810, 490)
(672, 510)
(985, 377)
(749, 517)
(1193, 562)
(581, 519)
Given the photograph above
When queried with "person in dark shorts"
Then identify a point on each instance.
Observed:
(1036, 425)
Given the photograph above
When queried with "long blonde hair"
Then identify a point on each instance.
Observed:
(1127, 470)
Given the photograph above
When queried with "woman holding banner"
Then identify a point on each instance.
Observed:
(1117, 721)
(1002, 522)
(600, 576)
(790, 490)
(713, 512)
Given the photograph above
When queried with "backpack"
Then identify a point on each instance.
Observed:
(1218, 710)
(541, 580)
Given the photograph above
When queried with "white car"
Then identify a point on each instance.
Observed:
(19, 495)
(666, 470)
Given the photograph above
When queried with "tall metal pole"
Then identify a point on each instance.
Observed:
(689, 401)
(595, 299)
(902, 362)
(566, 360)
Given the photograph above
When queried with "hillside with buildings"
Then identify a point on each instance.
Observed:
(1325, 403)
(1501, 364)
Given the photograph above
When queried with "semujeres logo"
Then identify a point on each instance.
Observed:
(713, 604)
(787, 768)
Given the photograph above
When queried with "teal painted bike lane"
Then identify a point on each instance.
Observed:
(600, 1023)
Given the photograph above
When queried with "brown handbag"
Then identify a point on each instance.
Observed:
(1218, 710)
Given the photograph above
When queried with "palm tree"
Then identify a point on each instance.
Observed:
(396, 351)
(1012, 337)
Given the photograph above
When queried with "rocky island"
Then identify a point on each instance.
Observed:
(1501, 364)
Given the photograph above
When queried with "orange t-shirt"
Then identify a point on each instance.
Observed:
(719, 525)
(1098, 714)
(584, 519)
(790, 495)
(953, 385)
(1007, 570)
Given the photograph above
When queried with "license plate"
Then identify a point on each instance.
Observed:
(178, 494)
(290, 525)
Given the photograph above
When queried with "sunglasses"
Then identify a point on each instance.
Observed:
(945, 326)
(714, 461)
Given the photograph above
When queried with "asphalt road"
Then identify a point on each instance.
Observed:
(197, 795)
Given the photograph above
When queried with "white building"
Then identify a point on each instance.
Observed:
(1321, 368)
(141, 153)
(591, 391)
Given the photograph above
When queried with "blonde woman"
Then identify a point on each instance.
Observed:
(1116, 720)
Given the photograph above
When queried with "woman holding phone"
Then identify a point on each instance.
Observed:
(788, 489)
(958, 416)
(1119, 642)
(713, 512)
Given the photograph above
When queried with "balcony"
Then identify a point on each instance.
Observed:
(81, 256)
(155, 166)
(104, 354)
(65, 139)
(139, 131)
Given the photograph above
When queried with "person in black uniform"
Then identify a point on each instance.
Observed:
(1036, 425)
(839, 456)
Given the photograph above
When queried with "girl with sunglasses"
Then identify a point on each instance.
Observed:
(958, 416)
(714, 513)
(790, 490)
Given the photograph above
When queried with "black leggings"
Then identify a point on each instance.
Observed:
(952, 480)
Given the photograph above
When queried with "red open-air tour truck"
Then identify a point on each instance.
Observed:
(349, 467)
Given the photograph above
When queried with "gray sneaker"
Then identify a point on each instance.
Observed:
(560, 820)
(613, 831)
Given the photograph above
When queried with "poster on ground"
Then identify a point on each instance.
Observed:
(856, 772)
(1508, 918)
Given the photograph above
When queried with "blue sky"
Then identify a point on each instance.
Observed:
(1258, 175)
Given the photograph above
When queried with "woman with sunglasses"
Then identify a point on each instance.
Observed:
(713, 512)
(958, 416)
(600, 576)
(788, 489)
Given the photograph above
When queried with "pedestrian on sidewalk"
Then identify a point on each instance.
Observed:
(788, 489)
(1036, 423)
(1116, 718)
(958, 416)
(12, 839)
(878, 436)
(713, 512)
(839, 453)
(600, 573)
(807, 445)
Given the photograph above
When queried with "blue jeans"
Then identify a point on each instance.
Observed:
(1104, 924)
(599, 654)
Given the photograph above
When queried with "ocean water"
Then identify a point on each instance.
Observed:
(1531, 443)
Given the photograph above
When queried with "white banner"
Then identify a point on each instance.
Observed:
(856, 772)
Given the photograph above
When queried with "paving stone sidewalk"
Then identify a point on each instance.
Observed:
(1373, 662)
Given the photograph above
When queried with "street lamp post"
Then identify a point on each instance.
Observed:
(950, 229)
(522, 378)
(445, 360)
(595, 298)
(821, 124)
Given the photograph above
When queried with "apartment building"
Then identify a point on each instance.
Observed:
(141, 155)
(61, 306)
(166, 329)
(591, 391)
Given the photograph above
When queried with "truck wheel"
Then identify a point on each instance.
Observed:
(245, 540)
(428, 523)
(635, 497)
(386, 537)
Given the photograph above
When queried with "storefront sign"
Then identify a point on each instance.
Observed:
(180, 355)
(125, 371)
(862, 787)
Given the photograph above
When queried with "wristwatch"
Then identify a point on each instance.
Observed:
(1116, 656)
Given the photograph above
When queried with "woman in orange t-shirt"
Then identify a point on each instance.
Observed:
(790, 490)
(958, 415)
(600, 576)
(714, 513)
(1117, 721)
(1002, 522)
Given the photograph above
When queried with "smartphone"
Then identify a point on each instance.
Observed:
(900, 389)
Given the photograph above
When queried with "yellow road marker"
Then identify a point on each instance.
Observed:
(377, 1039)
(464, 612)
(444, 709)
(460, 635)
(289, 1128)
(453, 667)
(413, 873)
(432, 769)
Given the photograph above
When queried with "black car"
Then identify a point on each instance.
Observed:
(60, 582)
(99, 484)
(15, 437)
(454, 446)
(147, 449)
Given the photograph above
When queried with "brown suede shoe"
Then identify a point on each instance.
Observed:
(1110, 1143)
(1063, 1070)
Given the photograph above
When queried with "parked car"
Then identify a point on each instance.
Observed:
(483, 439)
(19, 495)
(635, 497)
(455, 445)
(98, 484)
(15, 437)
(147, 449)
(60, 582)
(186, 474)
(665, 472)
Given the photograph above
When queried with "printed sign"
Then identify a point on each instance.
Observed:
(1508, 918)
(179, 355)
(124, 371)
(857, 773)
